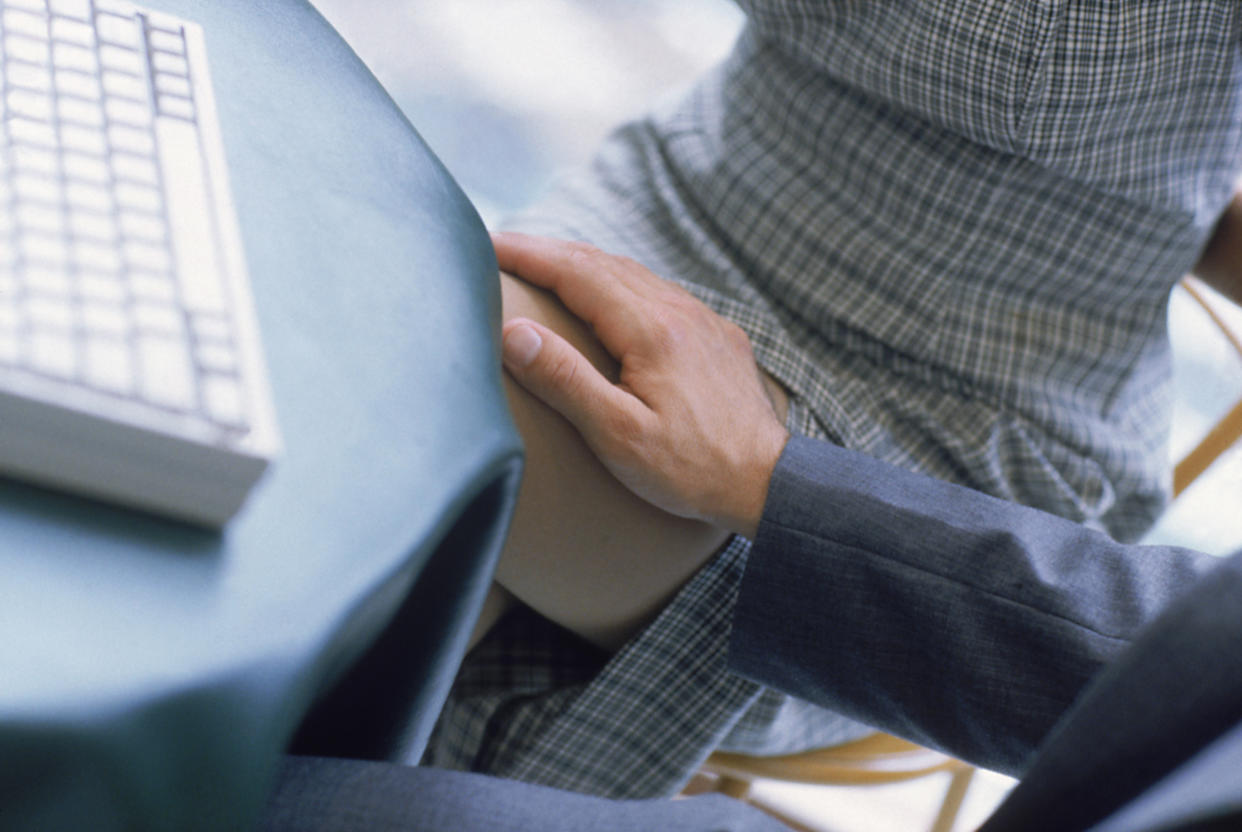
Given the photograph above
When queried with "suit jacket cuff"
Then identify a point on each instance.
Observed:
(957, 620)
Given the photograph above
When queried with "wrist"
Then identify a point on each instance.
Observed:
(745, 509)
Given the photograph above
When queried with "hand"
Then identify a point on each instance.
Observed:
(688, 426)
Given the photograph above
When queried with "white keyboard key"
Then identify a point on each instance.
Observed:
(127, 111)
(172, 85)
(89, 197)
(212, 328)
(105, 319)
(10, 349)
(35, 160)
(47, 313)
(135, 169)
(166, 42)
(143, 198)
(85, 168)
(33, 105)
(49, 281)
(53, 353)
(120, 83)
(78, 32)
(48, 226)
(152, 287)
(151, 258)
(29, 76)
(96, 257)
(223, 398)
(177, 107)
(130, 139)
(138, 225)
(112, 7)
(198, 264)
(37, 133)
(108, 365)
(28, 50)
(42, 249)
(36, 229)
(9, 319)
(80, 9)
(78, 84)
(160, 320)
(171, 64)
(166, 373)
(75, 58)
(121, 59)
(216, 358)
(32, 22)
(87, 113)
(123, 31)
(97, 288)
(36, 275)
(37, 188)
(96, 228)
(83, 140)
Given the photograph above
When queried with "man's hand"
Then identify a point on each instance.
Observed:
(688, 426)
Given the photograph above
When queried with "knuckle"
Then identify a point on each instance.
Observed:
(584, 256)
(626, 431)
(666, 331)
(690, 301)
(737, 336)
(562, 372)
(628, 263)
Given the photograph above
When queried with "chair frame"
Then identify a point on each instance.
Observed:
(875, 759)
(1228, 429)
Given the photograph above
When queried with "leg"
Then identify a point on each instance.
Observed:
(584, 551)
(314, 794)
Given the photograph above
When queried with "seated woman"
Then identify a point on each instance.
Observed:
(950, 232)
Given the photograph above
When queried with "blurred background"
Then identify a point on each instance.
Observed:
(508, 92)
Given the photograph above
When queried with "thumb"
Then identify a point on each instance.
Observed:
(561, 377)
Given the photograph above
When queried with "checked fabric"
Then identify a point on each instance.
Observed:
(950, 229)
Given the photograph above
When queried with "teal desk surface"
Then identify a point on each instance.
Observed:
(154, 673)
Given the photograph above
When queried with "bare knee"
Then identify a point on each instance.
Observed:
(582, 549)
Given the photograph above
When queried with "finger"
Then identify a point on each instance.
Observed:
(552, 370)
(588, 281)
(620, 299)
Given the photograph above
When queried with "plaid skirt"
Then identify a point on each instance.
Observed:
(533, 702)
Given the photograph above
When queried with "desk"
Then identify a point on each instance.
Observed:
(153, 673)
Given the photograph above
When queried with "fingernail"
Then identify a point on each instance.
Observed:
(521, 345)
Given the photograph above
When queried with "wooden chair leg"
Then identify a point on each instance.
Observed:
(953, 798)
(1219, 439)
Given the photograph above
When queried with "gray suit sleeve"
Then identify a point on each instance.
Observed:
(934, 612)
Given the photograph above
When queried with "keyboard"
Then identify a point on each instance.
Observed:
(130, 361)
